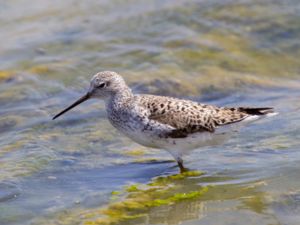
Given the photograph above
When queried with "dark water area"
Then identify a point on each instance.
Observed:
(80, 170)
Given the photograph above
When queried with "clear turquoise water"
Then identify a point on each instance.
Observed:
(79, 170)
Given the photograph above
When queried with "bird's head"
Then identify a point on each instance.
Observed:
(103, 85)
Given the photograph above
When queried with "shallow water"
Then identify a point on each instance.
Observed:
(79, 170)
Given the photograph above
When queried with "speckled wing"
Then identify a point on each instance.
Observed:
(225, 115)
(189, 117)
(185, 116)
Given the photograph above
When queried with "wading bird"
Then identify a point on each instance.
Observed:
(173, 124)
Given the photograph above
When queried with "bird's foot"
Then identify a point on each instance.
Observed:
(181, 167)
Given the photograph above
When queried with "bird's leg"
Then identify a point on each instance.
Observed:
(180, 164)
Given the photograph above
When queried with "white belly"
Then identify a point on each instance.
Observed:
(181, 146)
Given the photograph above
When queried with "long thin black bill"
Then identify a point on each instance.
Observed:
(82, 99)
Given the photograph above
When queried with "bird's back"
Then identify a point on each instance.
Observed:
(189, 117)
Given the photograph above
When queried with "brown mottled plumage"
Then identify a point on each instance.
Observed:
(190, 117)
(176, 125)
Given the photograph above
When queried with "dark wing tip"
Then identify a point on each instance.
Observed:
(257, 111)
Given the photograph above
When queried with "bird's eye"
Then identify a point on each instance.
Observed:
(102, 85)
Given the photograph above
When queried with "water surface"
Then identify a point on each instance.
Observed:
(79, 170)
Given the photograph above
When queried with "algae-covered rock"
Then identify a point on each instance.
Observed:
(140, 198)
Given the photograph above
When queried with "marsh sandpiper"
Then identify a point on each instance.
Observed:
(162, 122)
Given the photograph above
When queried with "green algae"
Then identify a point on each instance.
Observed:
(167, 179)
(141, 198)
(135, 152)
(132, 188)
(115, 192)
(190, 195)
(137, 201)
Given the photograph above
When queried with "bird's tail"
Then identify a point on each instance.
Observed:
(268, 111)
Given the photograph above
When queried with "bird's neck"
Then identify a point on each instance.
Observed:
(121, 99)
